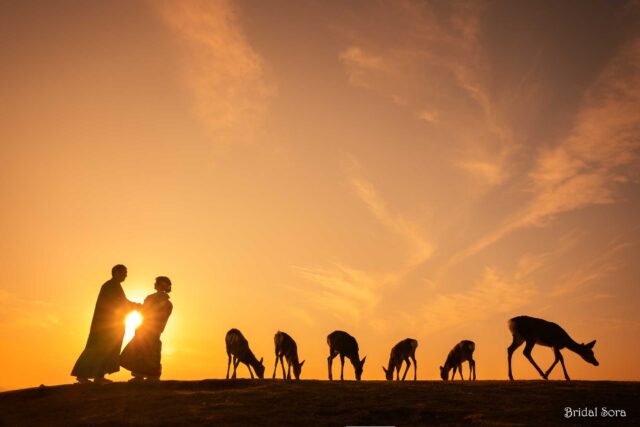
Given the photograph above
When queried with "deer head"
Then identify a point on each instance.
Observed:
(444, 372)
(586, 352)
(388, 373)
(259, 368)
(297, 369)
(358, 367)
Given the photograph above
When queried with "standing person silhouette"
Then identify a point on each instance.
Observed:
(102, 353)
(143, 353)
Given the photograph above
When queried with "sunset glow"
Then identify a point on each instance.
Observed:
(132, 321)
(390, 168)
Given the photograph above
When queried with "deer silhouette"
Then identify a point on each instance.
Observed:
(402, 352)
(461, 352)
(532, 331)
(238, 347)
(287, 348)
(343, 344)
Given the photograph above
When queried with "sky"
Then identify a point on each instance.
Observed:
(389, 168)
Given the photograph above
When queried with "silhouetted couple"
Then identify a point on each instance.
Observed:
(141, 356)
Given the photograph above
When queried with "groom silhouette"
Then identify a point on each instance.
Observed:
(102, 353)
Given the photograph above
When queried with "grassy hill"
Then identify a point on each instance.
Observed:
(302, 403)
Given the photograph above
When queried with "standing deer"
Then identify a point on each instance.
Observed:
(343, 344)
(462, 352)
(532, 331)
(286, 347)
(238, 346)
(401, 352)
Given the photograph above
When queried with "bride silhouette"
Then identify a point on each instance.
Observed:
(142, 355)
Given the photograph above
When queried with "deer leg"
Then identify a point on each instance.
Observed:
(228, 364)
(250, 371)
(288, 370)
(472, 367)
(415, 368)
(566, 375)
(406, 370)
(397, 369)
(282, 365)
(527, 353)
(517, 342)
(556, 352)
(460, 371)
(453, 377)
(236, 362)
(329, 361)
(275, 366)
(341, 367)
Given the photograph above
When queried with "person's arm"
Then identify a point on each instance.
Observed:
(131, 305)
(125, 303)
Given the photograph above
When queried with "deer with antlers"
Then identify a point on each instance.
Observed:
(462, 352)
(287, 348)
(238, 347)
(402, 352)
(343, 344)
(532, 331)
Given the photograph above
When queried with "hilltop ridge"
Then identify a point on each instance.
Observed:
(311, 402)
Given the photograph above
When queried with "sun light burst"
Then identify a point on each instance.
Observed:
(133, 320)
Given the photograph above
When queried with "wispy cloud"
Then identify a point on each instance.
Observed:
(345, 292)
(586, 168)
(358, 64)
(607, 261)
(493, 294)
(601, 151)
(226, 75)
(419, 248)
(435, 67)
(351, 292)
(17, 310)
(531, 263)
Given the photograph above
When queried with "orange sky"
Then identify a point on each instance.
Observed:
(393, 169)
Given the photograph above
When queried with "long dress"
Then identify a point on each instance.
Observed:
(142, 355)
(102, 353)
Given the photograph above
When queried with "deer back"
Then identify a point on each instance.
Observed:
(238, 345)
(403, 350)
(286, 346)
(462, 352)
(540, 331)
(344, 344)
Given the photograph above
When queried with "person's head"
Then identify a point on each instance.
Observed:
(119, 272)
(163, 284)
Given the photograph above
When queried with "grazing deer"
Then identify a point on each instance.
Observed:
(401, 352)
(462, 352)
(534, 331)
(286, 347)
(343, 344)
(238, 346)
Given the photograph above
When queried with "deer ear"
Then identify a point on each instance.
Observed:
(591, 344)
(362, 361)
(384, 369)
(301, 363)
(261, 360)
